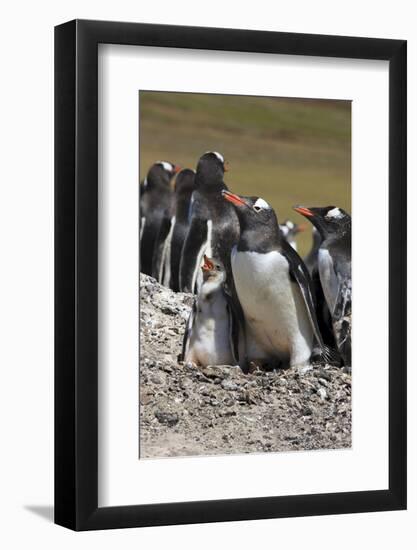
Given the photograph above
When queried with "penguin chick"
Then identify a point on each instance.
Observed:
(211, 336)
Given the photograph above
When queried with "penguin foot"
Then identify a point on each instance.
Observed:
(325, 355)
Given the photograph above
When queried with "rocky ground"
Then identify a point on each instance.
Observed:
(186, 410)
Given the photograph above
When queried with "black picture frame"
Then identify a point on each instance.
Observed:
(76, 271)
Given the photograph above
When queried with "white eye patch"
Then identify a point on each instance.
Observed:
(165, 165)
(218, 155)
(334, 213)
(260, 203)
(290, 225)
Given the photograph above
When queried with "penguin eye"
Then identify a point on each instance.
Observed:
(218, 267)
(257, 208)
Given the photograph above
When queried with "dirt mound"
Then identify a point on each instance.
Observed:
(186, 410)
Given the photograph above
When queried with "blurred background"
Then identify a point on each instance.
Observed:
(287, 151)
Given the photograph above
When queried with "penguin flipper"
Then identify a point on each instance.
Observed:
(299, 273)
(187, 332)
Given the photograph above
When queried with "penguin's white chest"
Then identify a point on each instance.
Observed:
(274, 308)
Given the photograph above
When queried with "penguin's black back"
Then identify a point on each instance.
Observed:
(184, 188)
(210, 205)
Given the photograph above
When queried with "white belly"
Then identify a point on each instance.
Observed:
(275, 313)
(210, 338)
(206, 249)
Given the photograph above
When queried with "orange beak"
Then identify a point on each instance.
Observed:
(304, 211)
(177, 168)
(226, 166)
(301, 228)
(234, 199)
(208, 264)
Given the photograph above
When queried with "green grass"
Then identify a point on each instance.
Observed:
(288, 151)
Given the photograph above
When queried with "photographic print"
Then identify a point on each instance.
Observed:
(245, 274)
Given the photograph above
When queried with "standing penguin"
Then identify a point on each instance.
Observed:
(212, 333)
(290, 231)
(214, 226)
(155, 201)
(334, 265)
(273, 287)
(184, 187)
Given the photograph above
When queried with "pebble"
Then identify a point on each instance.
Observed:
(166, 418)
(321, 392)
(214, 372)
(229, 386)
(304, 370)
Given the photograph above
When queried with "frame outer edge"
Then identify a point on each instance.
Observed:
(64, 176)
(76, 422)
(86, 269)
(398, 275)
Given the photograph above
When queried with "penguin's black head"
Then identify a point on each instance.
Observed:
(259, 230)
(184, 182)
(161, 173)
(326, 219)
(251, 210)
(211, 167)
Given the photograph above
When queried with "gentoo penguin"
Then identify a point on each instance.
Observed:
(290, 230)
(212, 332)
(214, 226)
(184, 187)
(273, 287)
(155, 200)
(334, 265)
